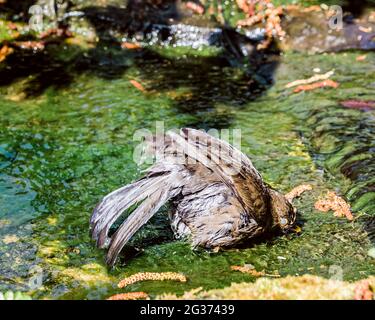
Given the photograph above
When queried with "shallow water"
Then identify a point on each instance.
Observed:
(66, 141)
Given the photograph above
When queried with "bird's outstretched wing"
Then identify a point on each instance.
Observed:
(149, 193)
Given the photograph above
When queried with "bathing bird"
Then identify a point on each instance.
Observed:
(217, 198)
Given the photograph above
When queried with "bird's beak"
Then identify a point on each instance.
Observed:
(296, 229)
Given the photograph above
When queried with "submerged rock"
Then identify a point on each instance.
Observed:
(312, 32)
(306, 31)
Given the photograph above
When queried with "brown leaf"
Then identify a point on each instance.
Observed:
(195, 7)
(361, 58)
(4, 52)
(316, 85)
(137, 85)
(315, 78)
(131, 45)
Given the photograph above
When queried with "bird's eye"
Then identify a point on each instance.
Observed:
(283, 222)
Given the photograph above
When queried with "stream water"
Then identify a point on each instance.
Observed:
(67, 119)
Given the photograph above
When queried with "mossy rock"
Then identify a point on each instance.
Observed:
(306, 287)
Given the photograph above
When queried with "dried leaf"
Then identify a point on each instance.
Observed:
(315, 78)
(316, 85)
(195, 7)
(361, 58)
(137, 85)
(131, 45)
(4, 52)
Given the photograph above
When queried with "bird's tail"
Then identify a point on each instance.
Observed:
(149, 193)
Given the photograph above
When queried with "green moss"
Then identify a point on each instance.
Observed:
(9, 295)
(5, 33)
(71, 142)
(363, 201)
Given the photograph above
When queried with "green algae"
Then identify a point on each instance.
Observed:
(10, 295)
(68, 146)
(5, 33)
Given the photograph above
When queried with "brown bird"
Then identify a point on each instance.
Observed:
(218, 198)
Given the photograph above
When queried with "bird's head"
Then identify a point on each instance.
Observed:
(284, 214)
